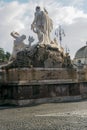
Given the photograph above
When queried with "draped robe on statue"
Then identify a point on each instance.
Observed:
(42, 25)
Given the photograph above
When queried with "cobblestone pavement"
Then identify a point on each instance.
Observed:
(52, 116)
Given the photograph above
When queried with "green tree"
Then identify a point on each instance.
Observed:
(4, 56)
(7, 55)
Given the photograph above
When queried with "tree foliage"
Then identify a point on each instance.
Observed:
(4, 56)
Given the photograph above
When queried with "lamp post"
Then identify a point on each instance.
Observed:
(59, 32)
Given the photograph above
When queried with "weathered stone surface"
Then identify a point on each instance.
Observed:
(41, 55)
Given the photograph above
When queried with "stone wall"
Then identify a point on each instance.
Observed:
(30, 85)
(2, 76)
(29, 94)
(38, 91)
(40, 74)
(83, 89)
(47, 91)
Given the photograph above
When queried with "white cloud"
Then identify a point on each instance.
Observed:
(78, 3)
(18, 16)
(11, 18)
(75, 3)
(76, 35)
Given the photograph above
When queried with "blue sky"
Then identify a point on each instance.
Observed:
(17, 15)
(78, 3)
(16, 0)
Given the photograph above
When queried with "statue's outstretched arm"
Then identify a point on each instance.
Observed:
(14, 34)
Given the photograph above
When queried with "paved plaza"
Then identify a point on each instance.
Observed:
(52, 116)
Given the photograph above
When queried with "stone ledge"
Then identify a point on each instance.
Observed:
(40, 82)
(49, 100)
(25, 102)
